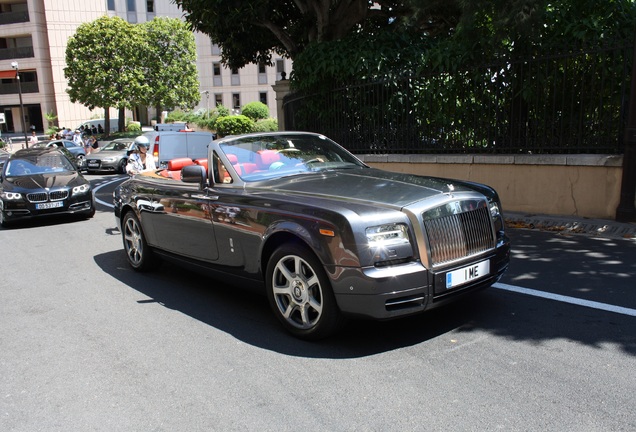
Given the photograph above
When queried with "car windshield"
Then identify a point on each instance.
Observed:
(42, 164)
(115, 146)
(264, 157)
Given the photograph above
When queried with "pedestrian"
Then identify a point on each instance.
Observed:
(33, 139)
(77, 137)
(139, 161)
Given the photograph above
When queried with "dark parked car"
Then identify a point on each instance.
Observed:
(113, 156)
(38, 182)
(325, 234)
(77, 150)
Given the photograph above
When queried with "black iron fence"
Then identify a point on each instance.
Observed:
(573, 102)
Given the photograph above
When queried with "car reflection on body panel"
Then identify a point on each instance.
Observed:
(327, 236)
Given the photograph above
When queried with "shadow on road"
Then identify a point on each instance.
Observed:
(241, 309)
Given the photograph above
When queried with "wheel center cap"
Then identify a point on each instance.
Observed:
(298, 290)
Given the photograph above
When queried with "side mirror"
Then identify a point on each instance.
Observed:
(194, 174)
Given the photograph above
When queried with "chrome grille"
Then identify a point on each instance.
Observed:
(37, 197)
(58, 195)
(40, 197)
(457, 236)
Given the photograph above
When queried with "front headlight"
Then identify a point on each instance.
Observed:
(387, 235)
(110, 159)
(494, 209)
(81, 189)
(11, 196)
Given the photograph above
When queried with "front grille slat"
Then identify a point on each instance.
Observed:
(456, 236)
(37, 197)
(41, 197)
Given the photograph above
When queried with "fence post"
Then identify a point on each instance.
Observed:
(281, 87)
(626, 211)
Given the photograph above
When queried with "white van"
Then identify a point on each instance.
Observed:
(114, 124)
(168, 145)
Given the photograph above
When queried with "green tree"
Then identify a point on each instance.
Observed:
(255, 110)
(103, 66)
(250, 31)
(169, 62)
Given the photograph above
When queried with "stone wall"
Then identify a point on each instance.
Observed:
(577, 185)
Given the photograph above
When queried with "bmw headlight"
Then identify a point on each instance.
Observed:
(11, 196)
(387, 235)
(81, 189)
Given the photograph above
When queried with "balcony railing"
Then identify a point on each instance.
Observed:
(27, 87)
(19, 52)
(14, 17)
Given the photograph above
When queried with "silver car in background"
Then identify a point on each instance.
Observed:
(113, 156)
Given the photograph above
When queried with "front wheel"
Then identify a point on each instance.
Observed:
(139, 255)
(300, 293)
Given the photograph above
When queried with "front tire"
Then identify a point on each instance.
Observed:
(139, 255)
(300, 294)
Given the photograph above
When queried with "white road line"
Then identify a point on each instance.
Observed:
(566, 299)
(107, 204)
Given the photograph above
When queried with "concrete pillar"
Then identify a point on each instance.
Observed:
(281, 87)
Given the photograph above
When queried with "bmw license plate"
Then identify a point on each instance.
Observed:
(467, 274)
(49, 205)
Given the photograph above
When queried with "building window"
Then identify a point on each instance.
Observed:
(216, 50)
(262, 73)
(263, 97)
(131, 11)
(236, 78)
(216, 72)
(218, 99)
(111, 5)
(150, 6)
(280, 68)
(236, 101)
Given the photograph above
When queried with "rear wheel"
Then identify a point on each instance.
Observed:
(139, 255)
(300, 293)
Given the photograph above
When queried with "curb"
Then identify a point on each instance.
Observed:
(571, 225)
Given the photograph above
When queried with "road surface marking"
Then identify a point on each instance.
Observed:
(567, 299)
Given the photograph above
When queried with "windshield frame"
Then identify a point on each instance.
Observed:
(269, 156)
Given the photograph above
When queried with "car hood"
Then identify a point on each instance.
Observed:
(373, 186)
(42, 181)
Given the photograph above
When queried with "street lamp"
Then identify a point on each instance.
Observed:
(14, 65)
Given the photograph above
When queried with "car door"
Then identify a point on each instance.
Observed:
(178, 216)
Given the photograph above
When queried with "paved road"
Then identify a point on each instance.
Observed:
(88, 344)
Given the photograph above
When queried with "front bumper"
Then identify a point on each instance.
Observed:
(14, 211)
(408, 289)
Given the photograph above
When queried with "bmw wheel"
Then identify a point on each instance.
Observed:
(300, 293)
(138, 253)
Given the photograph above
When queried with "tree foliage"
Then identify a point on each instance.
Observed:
(111, 63)
(249, 31)
(170, 66)
(103, 65)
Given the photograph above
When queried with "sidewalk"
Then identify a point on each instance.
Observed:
(572, 225)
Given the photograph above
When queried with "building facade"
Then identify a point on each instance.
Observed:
(33, 39)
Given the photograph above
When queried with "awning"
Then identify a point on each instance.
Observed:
(7, 74)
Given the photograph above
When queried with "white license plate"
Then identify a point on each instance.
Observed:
(49, 205)
(467, 274)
